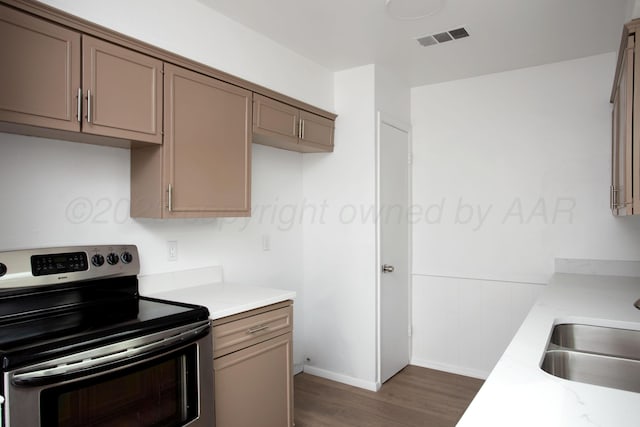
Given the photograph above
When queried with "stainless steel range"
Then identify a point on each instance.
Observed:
(79, 347)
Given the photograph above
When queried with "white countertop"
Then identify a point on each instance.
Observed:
(205, 287)
(226, 299)
(519, 393)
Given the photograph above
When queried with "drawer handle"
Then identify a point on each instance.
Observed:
(257, 329)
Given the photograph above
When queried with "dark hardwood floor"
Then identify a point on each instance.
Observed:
(414, 397)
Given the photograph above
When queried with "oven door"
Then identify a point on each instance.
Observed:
(159, 380)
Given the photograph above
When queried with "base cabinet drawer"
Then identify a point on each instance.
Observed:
(253, 367)
(254, 386)
(242, 333)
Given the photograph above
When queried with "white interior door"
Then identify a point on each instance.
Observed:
(394, 187)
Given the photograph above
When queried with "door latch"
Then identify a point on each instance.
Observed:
(386, 268)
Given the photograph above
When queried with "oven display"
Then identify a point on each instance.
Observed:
(42, 265)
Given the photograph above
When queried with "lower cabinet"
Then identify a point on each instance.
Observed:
(253, 368)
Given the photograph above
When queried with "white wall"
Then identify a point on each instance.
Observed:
(393, 96)
(511, 170)
(58, 193)
(340, 262)
(339, 244)
(191, 29)
(633, 10)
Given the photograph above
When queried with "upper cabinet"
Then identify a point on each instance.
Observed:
(203, 168)
(122, 92)
(625, 149)
(65, 78)
(118, 94)
(40, 72)
(280, 125)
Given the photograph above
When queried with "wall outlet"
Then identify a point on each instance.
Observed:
(266, 242)
(173, 250)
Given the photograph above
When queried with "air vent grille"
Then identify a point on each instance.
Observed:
(443, 37)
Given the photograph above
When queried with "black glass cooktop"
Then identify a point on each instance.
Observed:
(44, 324)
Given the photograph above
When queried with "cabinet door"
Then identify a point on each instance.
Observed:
(123, 92)
(274, 123)
(254, 386)
(622, 156)
(316, 133)
(207, 146)
(40, 72)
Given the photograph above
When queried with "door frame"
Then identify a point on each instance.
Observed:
(383, 117)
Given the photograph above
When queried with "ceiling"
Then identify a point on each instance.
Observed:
(504, 34)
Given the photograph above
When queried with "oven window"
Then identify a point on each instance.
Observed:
(160, 393)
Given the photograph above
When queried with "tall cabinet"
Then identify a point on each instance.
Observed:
(625, 148)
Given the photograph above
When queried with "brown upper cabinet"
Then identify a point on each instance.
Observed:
(65, 78)
(203, 168)
(122, 92)
(625, 148)
(280, 125)
(40, 72)
(56, 78)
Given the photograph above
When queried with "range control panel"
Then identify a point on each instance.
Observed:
(44, 266)
(59, 263)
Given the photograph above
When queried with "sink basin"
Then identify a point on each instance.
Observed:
(598, 355)
(597, 339)
(614, 372)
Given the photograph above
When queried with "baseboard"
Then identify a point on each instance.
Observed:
(341, 378)
(453, 369)
(298, 368)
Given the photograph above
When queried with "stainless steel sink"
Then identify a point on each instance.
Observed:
(603, 356)
(597, 339)
(614, 372)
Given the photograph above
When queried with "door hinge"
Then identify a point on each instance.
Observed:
(410, 159)
(410, 331)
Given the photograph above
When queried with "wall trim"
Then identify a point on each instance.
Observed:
(341, 378)
(482, 279)
(452, 369)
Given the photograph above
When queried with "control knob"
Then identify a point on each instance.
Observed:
(3, 269)
(112, 258)
(97, 260)
(126, 257)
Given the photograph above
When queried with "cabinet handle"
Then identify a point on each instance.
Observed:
(89, 106)
(257, 329)
(79, 114)
(170, 204)
(302, 130)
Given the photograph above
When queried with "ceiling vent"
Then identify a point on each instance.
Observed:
(455, 34)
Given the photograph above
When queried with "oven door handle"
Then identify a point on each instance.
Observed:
(106, 357)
